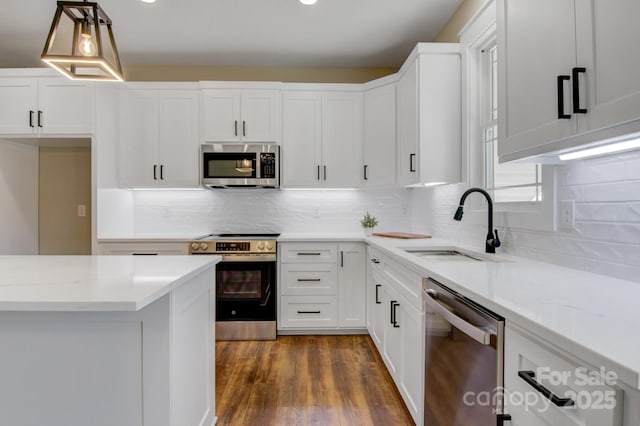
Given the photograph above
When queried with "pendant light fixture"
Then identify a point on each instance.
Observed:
(81, 44)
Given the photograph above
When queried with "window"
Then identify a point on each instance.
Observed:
(507, 183)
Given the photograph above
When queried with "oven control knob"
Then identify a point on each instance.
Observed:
(194, 246)
(261, 245)
(269, 246)
(204, 246)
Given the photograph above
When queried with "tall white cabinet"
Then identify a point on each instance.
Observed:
(379, 136)
(573, 83)
(321, 138)
(158, 136)
(429, 132)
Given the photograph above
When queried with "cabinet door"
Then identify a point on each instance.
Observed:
(138, 138)
(375, 310)
(392, 341)
(351, 285)
(301, 139)
(411, 378)
(18, 105)
(341, 139)
(407, 130)
(221, 116)
(530, 60)
(379, 141)
(608, 34)
(178, 138)
(260, 116)
(65, 106)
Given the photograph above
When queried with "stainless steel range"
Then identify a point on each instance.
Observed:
(245, 284)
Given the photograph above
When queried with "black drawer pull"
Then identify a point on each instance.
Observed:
(144, 254)
(309, 280)
(39, 118)
(309, 254)
(378, 302)
(575, 74)
(412, 168)
(561, 80)
(530, 378)
(155, 172)
(394, 314)
(31, 119)
(365, 172)
(374, 260)
(308, 312)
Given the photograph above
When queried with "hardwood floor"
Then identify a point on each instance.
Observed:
(305, 380)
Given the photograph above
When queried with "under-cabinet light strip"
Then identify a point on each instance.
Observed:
(601, 150)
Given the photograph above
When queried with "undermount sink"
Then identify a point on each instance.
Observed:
(449, 255)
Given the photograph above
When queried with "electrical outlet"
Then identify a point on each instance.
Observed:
(82, 210)
(567, 214)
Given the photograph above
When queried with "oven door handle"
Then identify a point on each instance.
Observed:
(478, 334)
(266, 299)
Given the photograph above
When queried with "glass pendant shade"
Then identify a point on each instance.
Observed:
(81, 44)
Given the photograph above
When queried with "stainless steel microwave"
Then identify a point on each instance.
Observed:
(236, 165)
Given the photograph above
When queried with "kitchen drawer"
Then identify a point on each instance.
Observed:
(374, 260)
(308, 252)
(143, 248)
(308, 312)
(597, 400)
(308, 279)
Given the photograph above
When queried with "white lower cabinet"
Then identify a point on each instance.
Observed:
(576, 394)
(322, 286)
(143, 248)
(396, 325)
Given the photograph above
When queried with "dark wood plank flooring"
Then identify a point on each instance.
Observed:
(305, 380)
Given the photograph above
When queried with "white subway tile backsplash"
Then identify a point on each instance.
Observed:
(605, 212)
(619, 191)
(614, 232)
(583, 174)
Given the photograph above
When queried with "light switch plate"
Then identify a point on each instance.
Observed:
(567, 215)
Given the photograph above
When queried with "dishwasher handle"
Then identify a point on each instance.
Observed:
(478, 334)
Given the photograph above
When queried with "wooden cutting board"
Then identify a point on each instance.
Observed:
(402, 235)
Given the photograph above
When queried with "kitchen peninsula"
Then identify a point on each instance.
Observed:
(106, 340)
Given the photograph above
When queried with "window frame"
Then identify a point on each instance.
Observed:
(478, 34)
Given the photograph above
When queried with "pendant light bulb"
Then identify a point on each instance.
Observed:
(308, 2)
(87, 43)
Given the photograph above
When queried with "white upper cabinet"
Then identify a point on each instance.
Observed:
(429, 133)
(321, 138)
(46, 106)
(158, 139)
(379, 136)
(570, 83)
(250, 115)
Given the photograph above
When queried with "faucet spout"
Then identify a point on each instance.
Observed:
(492, 241)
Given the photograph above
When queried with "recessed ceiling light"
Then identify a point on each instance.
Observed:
(148, 1)
(308, 2)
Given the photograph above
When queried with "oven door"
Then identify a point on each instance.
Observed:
(245, 291)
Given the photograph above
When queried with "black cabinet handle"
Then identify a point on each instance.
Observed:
(325, 172)
(244, 128)
(530, 378)
(561, 80)
(378, 302)
(374, 260)
(394, 314)
(308, 312)
(161, 171)
(144, 254)
(341, 259)
(318, 172)
(308, 254)
(412, 167)
(31, 118)
(308, 280)
(575, 75)
(39, 118)
(365, 172)
(235, 127)
(155, 168)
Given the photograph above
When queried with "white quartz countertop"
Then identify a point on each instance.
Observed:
(593, 317)
(93, 283)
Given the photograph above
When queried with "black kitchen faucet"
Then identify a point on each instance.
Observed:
(492, 241)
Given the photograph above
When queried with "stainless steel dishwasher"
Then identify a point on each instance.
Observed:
(464, 353)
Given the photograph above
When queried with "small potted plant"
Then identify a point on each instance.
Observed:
(368, 222)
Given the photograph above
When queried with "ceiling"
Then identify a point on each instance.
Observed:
(270, 33)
